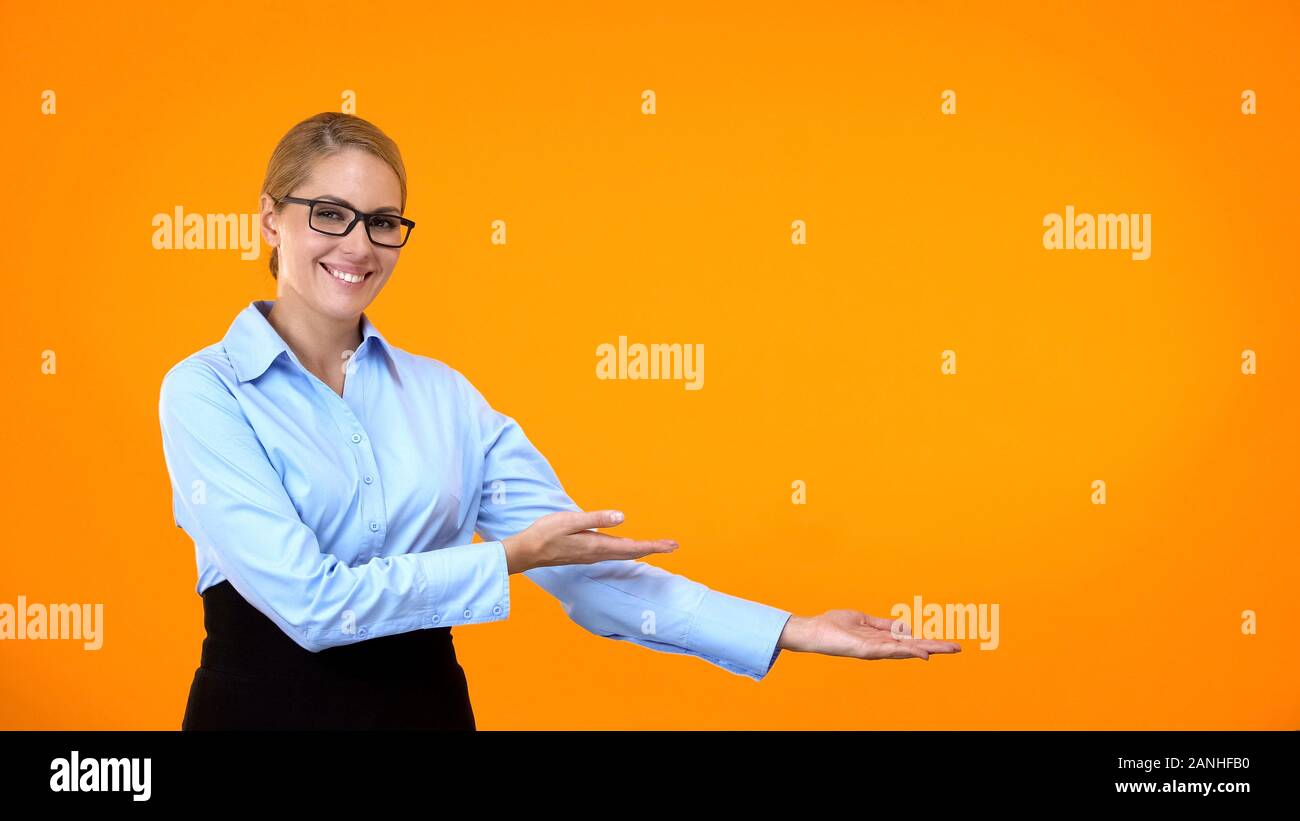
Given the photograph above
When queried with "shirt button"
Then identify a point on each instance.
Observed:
(467, 614)
(434, 618)
(356, 437)
(361, 632)
(374, 526)
(369, 478)
(497, 609)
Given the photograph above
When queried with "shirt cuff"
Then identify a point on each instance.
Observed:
(741, 635)
(466, 584)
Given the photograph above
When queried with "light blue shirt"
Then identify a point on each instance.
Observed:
(349, 517)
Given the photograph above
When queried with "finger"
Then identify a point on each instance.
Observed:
(590, 520)
(935, 646)
(634, 550)
(907, 649)
(892, 650)
(881, 623)
(605, 540)
(618, 547)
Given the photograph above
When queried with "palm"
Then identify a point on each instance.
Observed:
(858, 635)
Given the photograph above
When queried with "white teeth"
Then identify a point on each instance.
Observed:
(354, 278)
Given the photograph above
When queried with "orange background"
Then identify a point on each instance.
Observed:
(822, 361)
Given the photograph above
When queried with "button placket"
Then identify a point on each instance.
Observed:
(372, 497)
(372, 501)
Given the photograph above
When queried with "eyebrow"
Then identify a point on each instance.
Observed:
(340, 201)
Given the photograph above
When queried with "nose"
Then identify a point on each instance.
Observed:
(357, 242)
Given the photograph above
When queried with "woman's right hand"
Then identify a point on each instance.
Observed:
(566, 537)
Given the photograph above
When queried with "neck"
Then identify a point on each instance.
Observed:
(320, 342)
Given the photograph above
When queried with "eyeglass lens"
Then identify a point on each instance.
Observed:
(385, 229)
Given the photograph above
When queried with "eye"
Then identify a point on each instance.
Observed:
(383, 222)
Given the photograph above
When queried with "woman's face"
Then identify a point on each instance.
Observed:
(351, 177)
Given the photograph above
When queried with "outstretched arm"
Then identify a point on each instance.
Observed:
(524, 505)
(625, 599)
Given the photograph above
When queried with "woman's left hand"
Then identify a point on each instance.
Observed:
(856, 634)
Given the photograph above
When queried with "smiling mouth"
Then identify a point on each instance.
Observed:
(344, 277)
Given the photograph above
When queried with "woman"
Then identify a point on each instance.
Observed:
(332, 484)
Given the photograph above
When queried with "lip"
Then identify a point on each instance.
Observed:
(347, 269)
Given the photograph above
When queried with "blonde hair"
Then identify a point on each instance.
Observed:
(313, 139)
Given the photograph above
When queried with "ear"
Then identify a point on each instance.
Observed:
(268, 221)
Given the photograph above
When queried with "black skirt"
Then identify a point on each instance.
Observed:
(253, 676)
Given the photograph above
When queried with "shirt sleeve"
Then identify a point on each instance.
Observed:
(626, 600)
(233, 503)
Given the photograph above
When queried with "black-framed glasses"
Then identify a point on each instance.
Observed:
(389, 230)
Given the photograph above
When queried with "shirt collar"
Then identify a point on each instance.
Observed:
(253, 344)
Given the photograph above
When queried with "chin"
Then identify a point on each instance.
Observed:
(343, 307)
